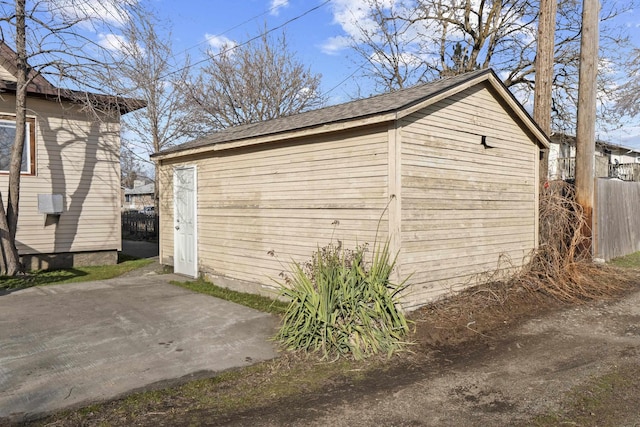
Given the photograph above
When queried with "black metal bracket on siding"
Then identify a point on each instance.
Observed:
(484, 142)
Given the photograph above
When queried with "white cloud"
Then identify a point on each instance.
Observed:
(350, 15)
(333, 45)
(353, 15)
(276, 5)
(219, 43)
(627, 136)
(118, 45)
(112, 42)
(88, 12)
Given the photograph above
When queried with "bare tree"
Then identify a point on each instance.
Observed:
(390, 46)
(130, 165)
(628, 101)
(253, 82)
(615, 48)
(46, 34)
(145, 70)
(448, 37)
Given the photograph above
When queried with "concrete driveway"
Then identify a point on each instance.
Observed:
(67, 345)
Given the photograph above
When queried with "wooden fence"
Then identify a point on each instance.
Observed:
(139, 226)
(616, 218)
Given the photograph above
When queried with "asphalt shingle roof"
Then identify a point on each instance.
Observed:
(362, 108)
(39, 86)
(143, 189)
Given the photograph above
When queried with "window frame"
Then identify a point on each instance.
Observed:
(31, 147)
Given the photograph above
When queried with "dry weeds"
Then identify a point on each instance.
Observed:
(562, 267)
(560, 272)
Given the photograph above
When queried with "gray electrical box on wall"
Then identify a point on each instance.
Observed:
(50, 204)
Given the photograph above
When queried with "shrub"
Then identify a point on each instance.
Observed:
(341, 305)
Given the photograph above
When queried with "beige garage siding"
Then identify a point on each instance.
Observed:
(284, 198)
(464, 205)
(81, 161)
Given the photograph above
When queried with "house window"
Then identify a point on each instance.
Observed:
(7, 138)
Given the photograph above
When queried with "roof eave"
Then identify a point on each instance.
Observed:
(380, 117)
(518, 109)
(504, 92)
(123, 105)
(290, 134)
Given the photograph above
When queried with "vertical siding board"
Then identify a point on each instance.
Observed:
(395, 195)
(165, 180)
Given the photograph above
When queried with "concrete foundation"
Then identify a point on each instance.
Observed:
(242, 285)
(69, 259)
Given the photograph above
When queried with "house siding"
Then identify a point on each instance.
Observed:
(288, 197)
(78, 157)
(464, 206)
(449, 174)
(6, 76)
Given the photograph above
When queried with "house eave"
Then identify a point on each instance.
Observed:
(281, 136)
(123, 105)
(380, 117)
(504, 93)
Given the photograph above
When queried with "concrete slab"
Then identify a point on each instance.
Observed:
(66, 345)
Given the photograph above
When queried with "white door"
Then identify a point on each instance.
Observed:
(185, 259)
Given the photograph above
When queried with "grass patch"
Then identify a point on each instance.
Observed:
(72, 275)
(257, 302)
(628, 261)
(606, 400)
(206, 401)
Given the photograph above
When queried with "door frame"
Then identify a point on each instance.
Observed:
(194, 270)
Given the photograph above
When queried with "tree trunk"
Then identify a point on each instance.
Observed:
(585, 133)
(544, 75)
(9, 222)
(9, 261)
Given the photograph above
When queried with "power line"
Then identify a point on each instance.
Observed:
(246, 42)
(115, 18)
(360, 67)
(228, 30)
(237, 46)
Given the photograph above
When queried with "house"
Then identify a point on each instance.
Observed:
(139, 197)
(447, 171)
(611, 160)
(70, 185)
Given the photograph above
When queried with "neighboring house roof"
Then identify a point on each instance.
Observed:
(143, 189)
(376, 109)
(571, 140)
(41, 87)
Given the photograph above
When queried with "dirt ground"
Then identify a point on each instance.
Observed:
(522, 361)
(487, 358)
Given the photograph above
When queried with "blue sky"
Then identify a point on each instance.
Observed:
(319, 38)
(315, 37)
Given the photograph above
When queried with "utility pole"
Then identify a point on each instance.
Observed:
(545, 50)
(586, 125)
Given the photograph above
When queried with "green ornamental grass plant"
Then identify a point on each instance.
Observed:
(342, 305)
